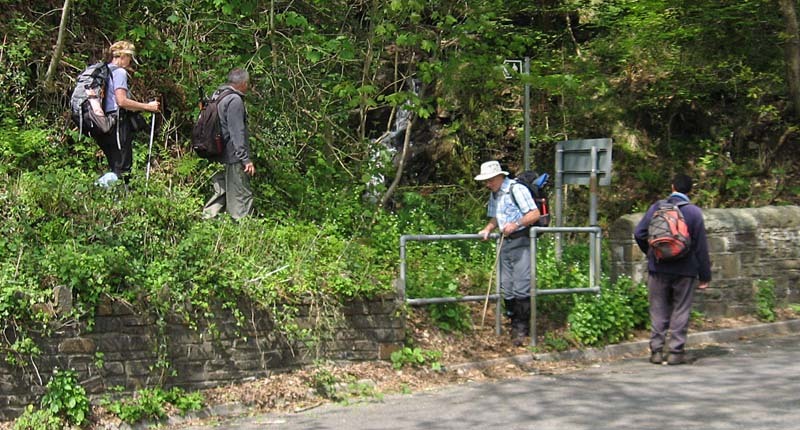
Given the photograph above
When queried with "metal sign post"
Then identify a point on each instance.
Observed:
(581, 162)
(518, 66)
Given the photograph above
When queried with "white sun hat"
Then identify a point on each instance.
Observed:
(489, 170)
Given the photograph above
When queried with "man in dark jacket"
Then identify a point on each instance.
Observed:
(671, 283)
(232, 190)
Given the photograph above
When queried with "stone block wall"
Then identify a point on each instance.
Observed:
(746, 245)
(123, 349)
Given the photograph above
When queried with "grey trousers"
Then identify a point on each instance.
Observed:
(232, 193)
(515, 268)
(670, 299)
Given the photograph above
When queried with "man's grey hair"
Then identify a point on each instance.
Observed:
(238, 76)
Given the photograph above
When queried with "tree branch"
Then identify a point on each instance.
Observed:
(59, 49)
(401, 164)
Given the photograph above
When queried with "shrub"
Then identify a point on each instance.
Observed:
(65, 398)
(611, 316)
(37, 419)
(765, 300)
(149, 404)
(416, 357)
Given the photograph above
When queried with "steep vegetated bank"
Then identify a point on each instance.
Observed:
(368, 121)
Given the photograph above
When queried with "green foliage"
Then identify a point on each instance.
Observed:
(324, 383)
(146, 404)
(571, 271)
(64, 397)
(149, 404)
(416, 357)
(452, 317)
(554, 342)
(37, 419)
(185, 402)
(149, 246)
(765, 300)
(696, 317)
(329, 386)
(443, 269)
(609, 317)
(438, 281)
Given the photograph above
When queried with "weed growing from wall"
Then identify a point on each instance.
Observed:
(64, 397)
(765, 300)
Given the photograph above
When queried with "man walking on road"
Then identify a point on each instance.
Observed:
(671, 281)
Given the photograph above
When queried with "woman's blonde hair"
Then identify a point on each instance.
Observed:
(120, 48)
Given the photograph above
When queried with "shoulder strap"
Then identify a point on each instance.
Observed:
(222, 94)
(222, 104)
(513, 197)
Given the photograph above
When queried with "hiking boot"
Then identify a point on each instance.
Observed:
(508, 308)
(676, 358)
(656, 357)
(517, 339)
(523, 311)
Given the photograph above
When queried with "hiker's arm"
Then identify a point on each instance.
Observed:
(529, 218)
(124, 102)
(488, 229)
(237, 129)
(640, 231)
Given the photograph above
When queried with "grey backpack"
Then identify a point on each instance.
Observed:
(86, 103)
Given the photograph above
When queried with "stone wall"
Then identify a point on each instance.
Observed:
(746, 245)
(122, 350)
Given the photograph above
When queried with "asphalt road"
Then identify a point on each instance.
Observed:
(749, 385)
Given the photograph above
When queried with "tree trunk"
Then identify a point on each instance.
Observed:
(792, 51)
(49, 78)
(401, 165)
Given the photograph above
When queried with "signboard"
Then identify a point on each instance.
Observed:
(510, 67)
(576, 158)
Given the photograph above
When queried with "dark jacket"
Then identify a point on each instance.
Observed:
(697, 263)
(233, 125)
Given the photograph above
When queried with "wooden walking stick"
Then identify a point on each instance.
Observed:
(491, 275)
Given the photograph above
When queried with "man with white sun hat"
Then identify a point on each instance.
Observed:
(512, 210)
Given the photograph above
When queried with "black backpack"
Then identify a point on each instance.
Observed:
(86, 103)
(207, 139)
(536, 184)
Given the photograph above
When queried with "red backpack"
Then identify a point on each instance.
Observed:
(668, 234)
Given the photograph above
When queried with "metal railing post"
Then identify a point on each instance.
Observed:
(534, 285)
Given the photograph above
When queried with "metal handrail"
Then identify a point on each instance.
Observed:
(435, 300)
(594, 270)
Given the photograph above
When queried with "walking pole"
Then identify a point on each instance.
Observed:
(150, 147)
(491, 275)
